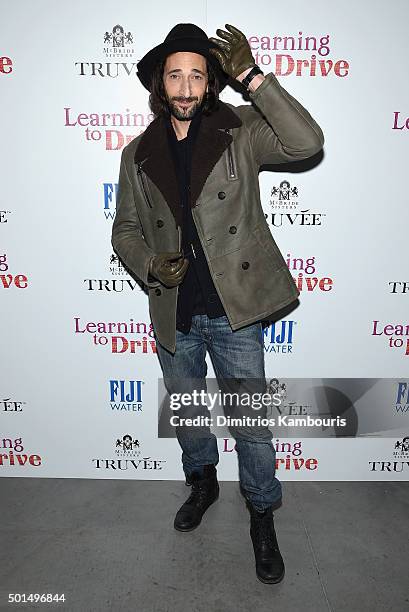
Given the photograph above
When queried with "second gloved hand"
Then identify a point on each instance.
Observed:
(169, 268)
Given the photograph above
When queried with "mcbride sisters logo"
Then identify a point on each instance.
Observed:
(117, 45)
(286, 208)
(129, 456)
(125, 283)
(398, 462)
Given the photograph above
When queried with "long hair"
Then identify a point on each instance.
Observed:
(157, 99)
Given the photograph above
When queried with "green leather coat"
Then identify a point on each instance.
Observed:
(246, 265)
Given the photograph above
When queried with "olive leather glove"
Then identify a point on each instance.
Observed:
(168, 268)
(235, 54)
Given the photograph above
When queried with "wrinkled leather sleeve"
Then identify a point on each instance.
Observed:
(127, 238)
(280, 128)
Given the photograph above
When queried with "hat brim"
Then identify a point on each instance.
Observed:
(147, 64)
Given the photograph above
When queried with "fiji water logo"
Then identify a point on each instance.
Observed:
(126, 395)
(402, 397)
(278, 337)
(110, 194)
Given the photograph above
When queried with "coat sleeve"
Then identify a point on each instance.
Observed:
(280, 128)
(127, 238)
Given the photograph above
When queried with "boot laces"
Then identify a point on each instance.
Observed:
(264, 531)
(199, 493)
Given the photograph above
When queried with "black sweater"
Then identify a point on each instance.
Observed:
(197, 293)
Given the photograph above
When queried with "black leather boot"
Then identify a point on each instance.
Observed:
(269, 562)
(205, 491)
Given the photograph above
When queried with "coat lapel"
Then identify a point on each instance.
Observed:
(155, 155)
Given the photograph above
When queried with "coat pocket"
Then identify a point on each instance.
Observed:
(267, 242)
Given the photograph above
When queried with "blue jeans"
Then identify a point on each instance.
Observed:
(234, 354)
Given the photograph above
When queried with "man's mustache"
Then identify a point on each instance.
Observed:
(184, 99)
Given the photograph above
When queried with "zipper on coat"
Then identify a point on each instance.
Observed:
(141, 179)
(232, 171)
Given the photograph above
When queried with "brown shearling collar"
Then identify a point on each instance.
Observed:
(212, 140)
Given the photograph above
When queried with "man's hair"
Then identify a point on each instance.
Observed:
(157, 99)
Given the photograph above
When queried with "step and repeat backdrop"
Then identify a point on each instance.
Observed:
(79, 370)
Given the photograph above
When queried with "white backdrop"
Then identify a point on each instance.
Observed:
(61, 412)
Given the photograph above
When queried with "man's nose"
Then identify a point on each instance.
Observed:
(185, 88)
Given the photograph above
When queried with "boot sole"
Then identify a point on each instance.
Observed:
(196, 526)
(276, 581)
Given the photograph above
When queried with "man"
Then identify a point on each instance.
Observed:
(190, 225)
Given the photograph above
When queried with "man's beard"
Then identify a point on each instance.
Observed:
(184, 114)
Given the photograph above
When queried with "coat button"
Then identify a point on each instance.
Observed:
(159, 223)
(232, 229)
(221, 195)
(245, 265)
(158, 291)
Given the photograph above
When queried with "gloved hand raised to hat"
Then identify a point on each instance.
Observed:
(235, 55)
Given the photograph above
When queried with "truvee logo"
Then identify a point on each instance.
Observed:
(129, 456)
(117, 44)
(400, 455)
(127, 282)
(11, 405)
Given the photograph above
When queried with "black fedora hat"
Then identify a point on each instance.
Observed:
(183, 37)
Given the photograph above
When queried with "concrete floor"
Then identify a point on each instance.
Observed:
(110, 545)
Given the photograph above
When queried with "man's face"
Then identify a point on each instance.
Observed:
(185, 81)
